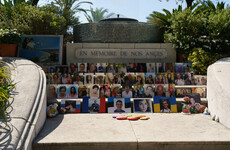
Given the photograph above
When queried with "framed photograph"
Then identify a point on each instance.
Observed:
(105, 90)
(160, 78)
(181, 92)
(138, 91)
(66, 79)
(127, 91)
(122, 68)
(61, 69)
(101, 67)
(169, 77)
(150, 78)
(78, 79)
(159, 90)
(94, 105)
(99, 78)
(62, 91)
(149, 90)
(188, 67)
(116, 90)
(129, 78)
(51, 91)
(194, 99)
(201, 91)
(42, 48)
(141, 67)
(73, 91)
(82, 67)
(150, 67)
(94, 90)
(83, 91)
(109, 79)
(119, 105)
(179, 67)
(55, 78)
(165, 104)
(111, 68)
(92, 68)
(119, 78)
(71, 105)
(189, 79)
(140, 78)
(132, 67)
(169, 67)
(72, 68)
(170, 90)
(142, 105)
(200, 80)
(160, 67)
(179, 79)
(89, 78)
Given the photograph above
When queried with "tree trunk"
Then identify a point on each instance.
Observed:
(35, 2)
(189, 3)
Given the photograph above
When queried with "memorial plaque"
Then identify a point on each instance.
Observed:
(121, 53)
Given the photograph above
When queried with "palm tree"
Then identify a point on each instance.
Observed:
(162, 18)
(97, 14)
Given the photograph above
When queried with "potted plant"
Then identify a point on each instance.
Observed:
(9, 39)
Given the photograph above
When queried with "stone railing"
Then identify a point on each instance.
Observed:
(27, 112)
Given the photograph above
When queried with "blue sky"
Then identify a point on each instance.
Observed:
(137, 9)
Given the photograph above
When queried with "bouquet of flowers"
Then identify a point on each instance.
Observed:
(189, 107)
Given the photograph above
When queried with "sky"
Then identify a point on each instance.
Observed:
(137, 9)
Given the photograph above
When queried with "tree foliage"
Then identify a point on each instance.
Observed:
(98, 14)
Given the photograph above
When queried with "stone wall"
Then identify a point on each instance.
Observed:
(120, 52)
(118, 32)
(218, 87)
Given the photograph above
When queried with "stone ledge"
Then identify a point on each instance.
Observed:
(162, 131)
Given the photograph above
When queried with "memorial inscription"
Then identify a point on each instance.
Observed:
(121, 53)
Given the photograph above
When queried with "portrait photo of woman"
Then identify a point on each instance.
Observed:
(62, 91)
(142, 105)
(73, 91)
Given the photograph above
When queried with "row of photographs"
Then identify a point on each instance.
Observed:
(116, 90)
(123, 105)
(127, 78)
(119, 68)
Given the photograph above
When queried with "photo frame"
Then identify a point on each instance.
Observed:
(92, 68)
(51, 91)
(94, 90)
(71, 105)
(180, 92)
(111, 68)
(101, 67)
(42, 48)
(109, 79)
(73, 91)
(99, 78)
(179, 79)
(200, 80)
(105, 91)
(138, 91)
(160, 78)
(131, 67)
(169, 67)
(140, 78)
(160, 67)
(93, 105)
(83, 91)
(82, 67)
(151, 67)
(179, 67)
(159, 90)
(116, 90)
(78, 79)
(150, 78)
(142, 105)
(165, 104)
(127, 91)
(88, 78)
(122, 68)
(72, 68)
(141, 67)
(169, 77)
(62, 91)
(119, 105)
(149, 90)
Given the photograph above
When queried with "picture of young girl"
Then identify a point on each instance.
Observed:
(142, 106)
(73, 91)
(62, 91)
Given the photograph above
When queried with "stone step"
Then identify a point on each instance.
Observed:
(162, 131)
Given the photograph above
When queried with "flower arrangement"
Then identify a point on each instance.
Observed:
(189, 107)
(9, 36)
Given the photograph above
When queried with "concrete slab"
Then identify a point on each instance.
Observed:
(162, 131)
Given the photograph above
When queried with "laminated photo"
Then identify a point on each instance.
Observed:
(99, 78)
(70, 105)
(150, 67)
(94, 90)
(82, 67)
(150, 78)
(142, 105)
(149, 90)
(73, 91)
(119, 105)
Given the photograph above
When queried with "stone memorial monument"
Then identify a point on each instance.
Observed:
(119, 40)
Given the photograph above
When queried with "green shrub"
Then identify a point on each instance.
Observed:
(202, 59)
